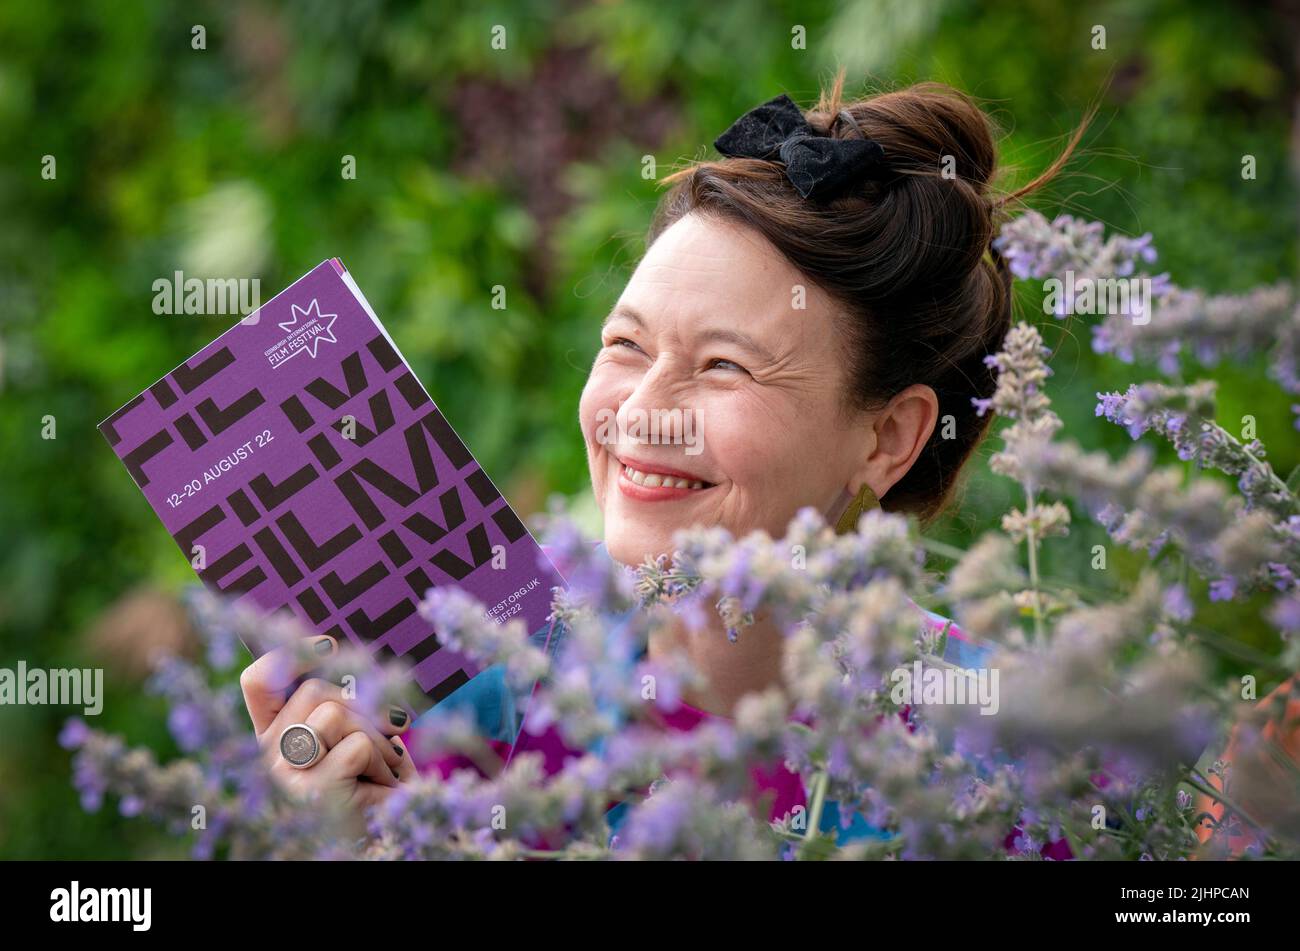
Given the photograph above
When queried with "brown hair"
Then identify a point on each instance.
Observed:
(925, 298)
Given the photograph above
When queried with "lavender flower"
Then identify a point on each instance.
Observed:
(1036, 248)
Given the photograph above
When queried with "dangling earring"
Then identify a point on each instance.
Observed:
(863, 501)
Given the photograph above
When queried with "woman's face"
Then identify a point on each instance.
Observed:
(720, 372)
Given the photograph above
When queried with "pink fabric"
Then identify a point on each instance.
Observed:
(427, 762)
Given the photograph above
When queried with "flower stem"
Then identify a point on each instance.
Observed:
(1032, 541)
(1190, 778)
(819, 783)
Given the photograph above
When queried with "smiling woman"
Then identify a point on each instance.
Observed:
(820, 300)
(808, 311)
(766, 406)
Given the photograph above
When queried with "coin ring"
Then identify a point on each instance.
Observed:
(301, 746)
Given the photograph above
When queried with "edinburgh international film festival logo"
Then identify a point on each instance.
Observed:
(304, 331)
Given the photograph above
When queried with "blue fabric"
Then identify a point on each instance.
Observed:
(488, 698)
(496, 708)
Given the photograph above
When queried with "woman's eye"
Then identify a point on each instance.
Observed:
(623, 342)
(718, 363)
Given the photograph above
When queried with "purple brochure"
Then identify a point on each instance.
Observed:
(244, 453)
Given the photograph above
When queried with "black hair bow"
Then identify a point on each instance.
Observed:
(817, 165)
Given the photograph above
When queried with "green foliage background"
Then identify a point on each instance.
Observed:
(523, 168)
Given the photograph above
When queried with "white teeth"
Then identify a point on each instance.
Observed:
(655, 479)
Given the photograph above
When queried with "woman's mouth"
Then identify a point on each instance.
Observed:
(646, 482)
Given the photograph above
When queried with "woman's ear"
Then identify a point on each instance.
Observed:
(901, 429)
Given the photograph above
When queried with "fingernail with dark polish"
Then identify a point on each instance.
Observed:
(398, 750)
(397, 716)
(324, 646)
(396, 774)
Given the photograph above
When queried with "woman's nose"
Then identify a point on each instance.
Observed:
(658, 408)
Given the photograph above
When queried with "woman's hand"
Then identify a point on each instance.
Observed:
(363, 761)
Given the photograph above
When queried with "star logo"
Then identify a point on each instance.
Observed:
(313, 315)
